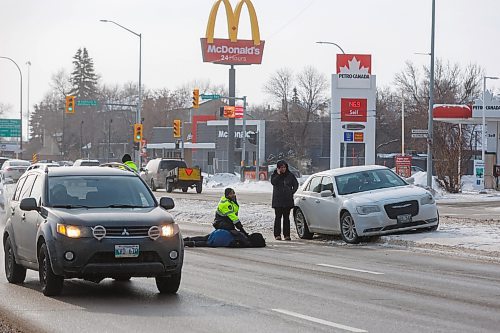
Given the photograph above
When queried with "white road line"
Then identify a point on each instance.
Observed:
(319, 321)
(351, 269)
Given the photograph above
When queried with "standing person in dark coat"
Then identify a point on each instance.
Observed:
(284, 186)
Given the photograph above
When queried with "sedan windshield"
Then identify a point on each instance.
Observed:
(98, 192)
(367, 181)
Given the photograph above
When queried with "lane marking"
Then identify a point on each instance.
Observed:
(351, 269)
(320, 321)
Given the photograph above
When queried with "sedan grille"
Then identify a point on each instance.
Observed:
(401, 208)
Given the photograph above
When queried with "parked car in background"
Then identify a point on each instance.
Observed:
(12, 170)
(42, 165)
(90, 223)
(156, 171)
(2, 160)
(83, 162)
(362, 201)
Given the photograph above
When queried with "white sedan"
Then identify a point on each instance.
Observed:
(361, 201)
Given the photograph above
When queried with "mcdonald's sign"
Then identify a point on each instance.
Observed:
(232, 51)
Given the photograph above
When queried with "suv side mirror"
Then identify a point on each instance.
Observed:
(167, 202)
(28, 204)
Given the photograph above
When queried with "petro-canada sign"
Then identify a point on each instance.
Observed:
(354, 71)
(232, 51)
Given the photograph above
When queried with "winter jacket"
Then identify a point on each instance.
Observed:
(284, 186)
(227, 211)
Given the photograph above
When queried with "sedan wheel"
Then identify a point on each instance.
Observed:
(15, 273)
(169, 186)
(51, 283)
(348, 229)
(301, 225)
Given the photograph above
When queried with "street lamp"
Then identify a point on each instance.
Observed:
(431, 101)
(20, 105)
(139, 104)
(28, 103)
(331, 43)
(483, 136)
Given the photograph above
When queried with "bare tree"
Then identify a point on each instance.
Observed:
(279, 86)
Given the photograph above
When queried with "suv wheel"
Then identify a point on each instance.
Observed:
(168, 284)
(15, 273)
(153, 186)
(51, 283)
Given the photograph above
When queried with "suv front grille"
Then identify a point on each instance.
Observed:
(401, 208)
(125, 232)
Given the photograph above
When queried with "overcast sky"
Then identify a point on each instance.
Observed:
(48, 33)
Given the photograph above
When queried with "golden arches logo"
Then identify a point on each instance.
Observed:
(233, 20)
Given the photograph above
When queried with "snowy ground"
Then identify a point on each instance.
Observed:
(455, 235)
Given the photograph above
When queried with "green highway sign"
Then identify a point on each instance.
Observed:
(86, 102)
(10, 128)
(213, 96)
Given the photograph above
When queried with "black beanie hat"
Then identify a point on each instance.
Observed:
(227, 191)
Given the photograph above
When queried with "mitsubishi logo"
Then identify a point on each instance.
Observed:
(125, 232)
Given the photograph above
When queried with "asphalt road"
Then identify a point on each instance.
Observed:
(298, 286)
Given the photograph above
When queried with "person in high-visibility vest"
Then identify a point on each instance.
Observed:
(226, 216)
(127, 160)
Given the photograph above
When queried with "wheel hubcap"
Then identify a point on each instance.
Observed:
(348, 228)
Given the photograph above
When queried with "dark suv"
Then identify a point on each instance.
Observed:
(90, 223)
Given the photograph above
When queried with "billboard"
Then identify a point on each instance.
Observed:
(354, 70)
(232, 51)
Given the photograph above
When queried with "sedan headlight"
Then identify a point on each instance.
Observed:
(71, 231)
(169, 230)
(368, 209)
(428, 199)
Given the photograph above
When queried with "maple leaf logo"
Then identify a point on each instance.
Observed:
(353, 67)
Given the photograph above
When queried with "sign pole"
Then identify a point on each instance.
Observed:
(244, 140)
(231, 121)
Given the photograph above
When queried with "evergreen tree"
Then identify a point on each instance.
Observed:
(83, 77)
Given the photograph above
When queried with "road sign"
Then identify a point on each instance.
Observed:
(10, 127)
(86, 102)
(212, 96)
(419, 131)
(419, 135)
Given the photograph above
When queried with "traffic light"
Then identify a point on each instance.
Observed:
(137, 132)
(196, 98)
(177, 128)
(70, 104)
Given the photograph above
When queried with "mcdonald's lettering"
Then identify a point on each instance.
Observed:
(232, 51)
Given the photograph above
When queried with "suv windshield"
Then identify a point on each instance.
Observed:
(98, 192)
(169, 165)
(367, 181)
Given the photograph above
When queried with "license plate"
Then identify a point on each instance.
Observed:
(406, 218)
(126, 251)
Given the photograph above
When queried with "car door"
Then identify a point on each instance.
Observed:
(33, 219)
(18, 216)
(308, 202)
(328, 208)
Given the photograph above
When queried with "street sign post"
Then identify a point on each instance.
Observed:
(10, 128)
(212, 96)
(419, 133)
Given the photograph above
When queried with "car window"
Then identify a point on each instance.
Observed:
(327, 184)
(20, 163)
(315, 185)
(27, 186)
(89, 163)
(37, 190)
(18, 189)
(98, 191)
(169, 165)
(367, 181)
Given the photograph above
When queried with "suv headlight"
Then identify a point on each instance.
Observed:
(71, 231)
(169, 230)
(428, 199)
(367, 209)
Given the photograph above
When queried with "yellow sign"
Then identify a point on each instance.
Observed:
(233, 20)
